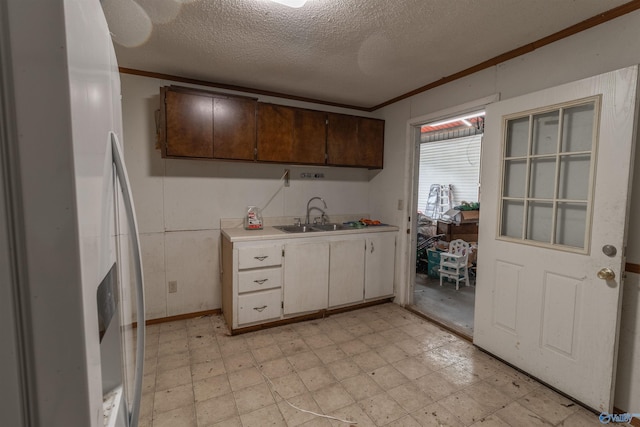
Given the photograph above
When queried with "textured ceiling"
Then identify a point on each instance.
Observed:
(353, 52)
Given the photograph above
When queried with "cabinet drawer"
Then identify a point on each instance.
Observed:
(259, 306)
(263, 256)
(259, 280)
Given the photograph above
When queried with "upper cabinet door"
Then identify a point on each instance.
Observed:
(290, 135)
(234, 128)
(310, 136)
(275, 132)
(199, 124)
(189, 125)
(371, 142)
(355, 141)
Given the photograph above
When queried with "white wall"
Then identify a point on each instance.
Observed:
(179, 203)
(607, 47)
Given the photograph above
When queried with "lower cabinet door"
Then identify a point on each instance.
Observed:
(346, 272)
(259, 306)
(379, 265)
(306, 277)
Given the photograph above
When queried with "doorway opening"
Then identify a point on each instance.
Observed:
(447, 210)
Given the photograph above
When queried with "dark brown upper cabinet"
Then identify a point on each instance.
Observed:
(207, 125)
(199, 124)
(291, 135)
(355, 141)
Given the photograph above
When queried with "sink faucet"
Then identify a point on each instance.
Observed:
(315, 207)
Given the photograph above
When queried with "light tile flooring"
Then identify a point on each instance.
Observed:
(378, 366)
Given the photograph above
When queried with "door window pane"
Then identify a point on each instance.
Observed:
(540, 221)
(545, 133)
(517, 137)
(512, 215)
(514, 178)
(574, 177)
(543, 177)
(571, 223)
(577, 133)
(547, 177)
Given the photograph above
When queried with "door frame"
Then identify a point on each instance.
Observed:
(408, 271)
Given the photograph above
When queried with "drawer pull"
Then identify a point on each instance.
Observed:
(260, 308)
(261, 258)
(261, 281)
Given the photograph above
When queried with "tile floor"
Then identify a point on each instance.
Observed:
(378, 366)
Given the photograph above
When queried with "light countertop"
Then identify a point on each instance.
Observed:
(239, 234)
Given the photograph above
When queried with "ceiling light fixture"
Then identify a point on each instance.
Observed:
(456, 119)
(291, 3)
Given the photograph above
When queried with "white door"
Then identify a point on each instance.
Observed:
(306, 277)
(555, 180)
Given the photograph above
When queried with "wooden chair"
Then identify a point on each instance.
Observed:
(453, 264)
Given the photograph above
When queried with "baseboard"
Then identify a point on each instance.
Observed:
(180, 317)
(634, 421)
(310, 316)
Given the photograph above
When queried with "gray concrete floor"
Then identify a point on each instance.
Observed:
(444, 304)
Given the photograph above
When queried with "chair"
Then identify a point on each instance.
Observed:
(453, 264)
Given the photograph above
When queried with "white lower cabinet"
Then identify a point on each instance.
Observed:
(259, 306)
(260, 279)
(268, 280)
(346, 272)
(251, 283)
(306, 277)
(379, 265)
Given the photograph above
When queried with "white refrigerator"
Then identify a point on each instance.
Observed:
(70, 272)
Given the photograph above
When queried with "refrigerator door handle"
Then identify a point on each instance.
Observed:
(121, 172)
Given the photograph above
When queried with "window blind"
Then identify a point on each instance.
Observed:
(452, 161)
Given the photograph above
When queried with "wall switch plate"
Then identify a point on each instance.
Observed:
(173, 286)
(400, 204)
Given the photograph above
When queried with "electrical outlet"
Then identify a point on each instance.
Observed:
(173, 286)
(311, 175)
(400, 204)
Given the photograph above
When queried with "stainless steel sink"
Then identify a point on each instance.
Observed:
(296, 228)
(310, 228)
(329, 227)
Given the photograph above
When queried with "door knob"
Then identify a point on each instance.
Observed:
(606, 274)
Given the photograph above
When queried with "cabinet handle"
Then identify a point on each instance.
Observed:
(260, 308)
(372, 248)
(261, 281)
(261, 258)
